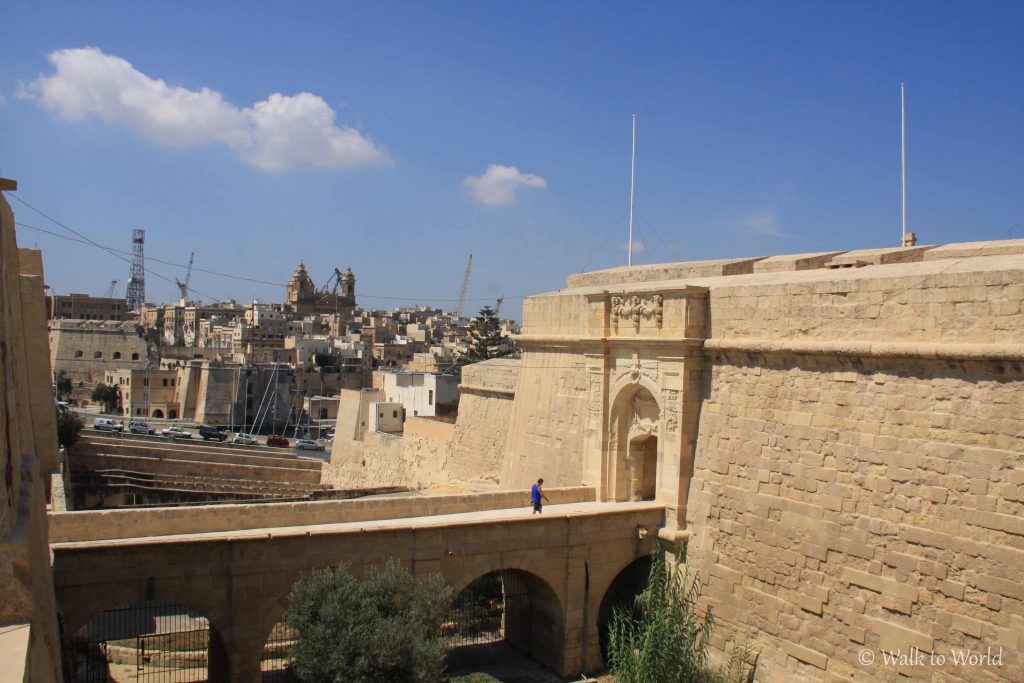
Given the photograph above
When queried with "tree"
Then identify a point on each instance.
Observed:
(68, 426)
(386, 627)
(485, 339)
(109, 396)
(62, 384)
(663, 638)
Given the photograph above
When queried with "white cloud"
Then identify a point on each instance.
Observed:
(763, 222)
(280, 132)
(499, 184)
(638, 246)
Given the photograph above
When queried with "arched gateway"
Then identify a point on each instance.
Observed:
(609, 393)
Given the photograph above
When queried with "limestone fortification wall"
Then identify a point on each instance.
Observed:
(415, 459)
(966, 300)
(839, 506)
(548, 420)
(855, 483)
(486, 399)
(74, 345)
(858, 476)
(28, 619)
(429, 453)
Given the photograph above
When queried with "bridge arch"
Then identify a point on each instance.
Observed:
(620, 591)
(508, 606)
(145, 638)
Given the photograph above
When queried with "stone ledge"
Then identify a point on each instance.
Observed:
(569, 340)
(925, 350)
(14, 639)
(476, 389)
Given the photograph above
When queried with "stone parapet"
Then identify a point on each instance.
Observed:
(664, 271)
(94, 525)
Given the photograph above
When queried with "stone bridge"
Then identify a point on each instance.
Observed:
(240, 578)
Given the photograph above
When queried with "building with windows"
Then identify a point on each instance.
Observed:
(422, 394)
(146, 392)
(85, 307)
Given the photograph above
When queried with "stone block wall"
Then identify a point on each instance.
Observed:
(967, 300)
(416, 459)
(857, 476)
(550, 419)
(838, 508)
(74, 345)
(487, 395)
(27, 454)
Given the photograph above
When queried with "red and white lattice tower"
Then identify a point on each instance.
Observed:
(136, 295)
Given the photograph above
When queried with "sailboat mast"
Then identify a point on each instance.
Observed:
(632, 191)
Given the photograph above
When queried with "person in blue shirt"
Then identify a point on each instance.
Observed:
(536, 494)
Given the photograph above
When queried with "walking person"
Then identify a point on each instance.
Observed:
(536, 494)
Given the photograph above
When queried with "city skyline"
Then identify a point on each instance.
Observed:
(398, 139)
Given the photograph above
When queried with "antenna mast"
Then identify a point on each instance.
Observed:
(136, 294)
(465, 286)
(632, 189)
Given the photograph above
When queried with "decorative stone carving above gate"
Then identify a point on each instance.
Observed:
(635, 308)
(643, 414)
(672, 399)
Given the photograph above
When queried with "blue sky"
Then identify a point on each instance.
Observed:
(764, 128)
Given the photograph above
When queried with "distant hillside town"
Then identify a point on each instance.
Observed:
(259, 364)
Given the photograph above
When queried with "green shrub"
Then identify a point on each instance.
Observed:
(663, 639)
(386, 627)
(68, 426)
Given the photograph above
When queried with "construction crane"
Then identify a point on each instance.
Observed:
(109, 294)
(332, 284)
(465, 286)
(183, 286)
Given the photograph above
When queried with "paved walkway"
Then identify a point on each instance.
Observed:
(478, 517)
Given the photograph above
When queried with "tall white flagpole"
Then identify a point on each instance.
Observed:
(903, 157)
(632, 189)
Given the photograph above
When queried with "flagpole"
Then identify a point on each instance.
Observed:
(632, 190)
(903, 158)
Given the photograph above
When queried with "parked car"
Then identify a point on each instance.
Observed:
(307, 445)
(139, 427)
(243, 439)
(277, 440)
(176, 433)
(329, 433)
(208, 433)
(105, 424)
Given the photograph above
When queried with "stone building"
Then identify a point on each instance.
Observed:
(146, 392)
(87, 349)
(85, 307)
(303, 297)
